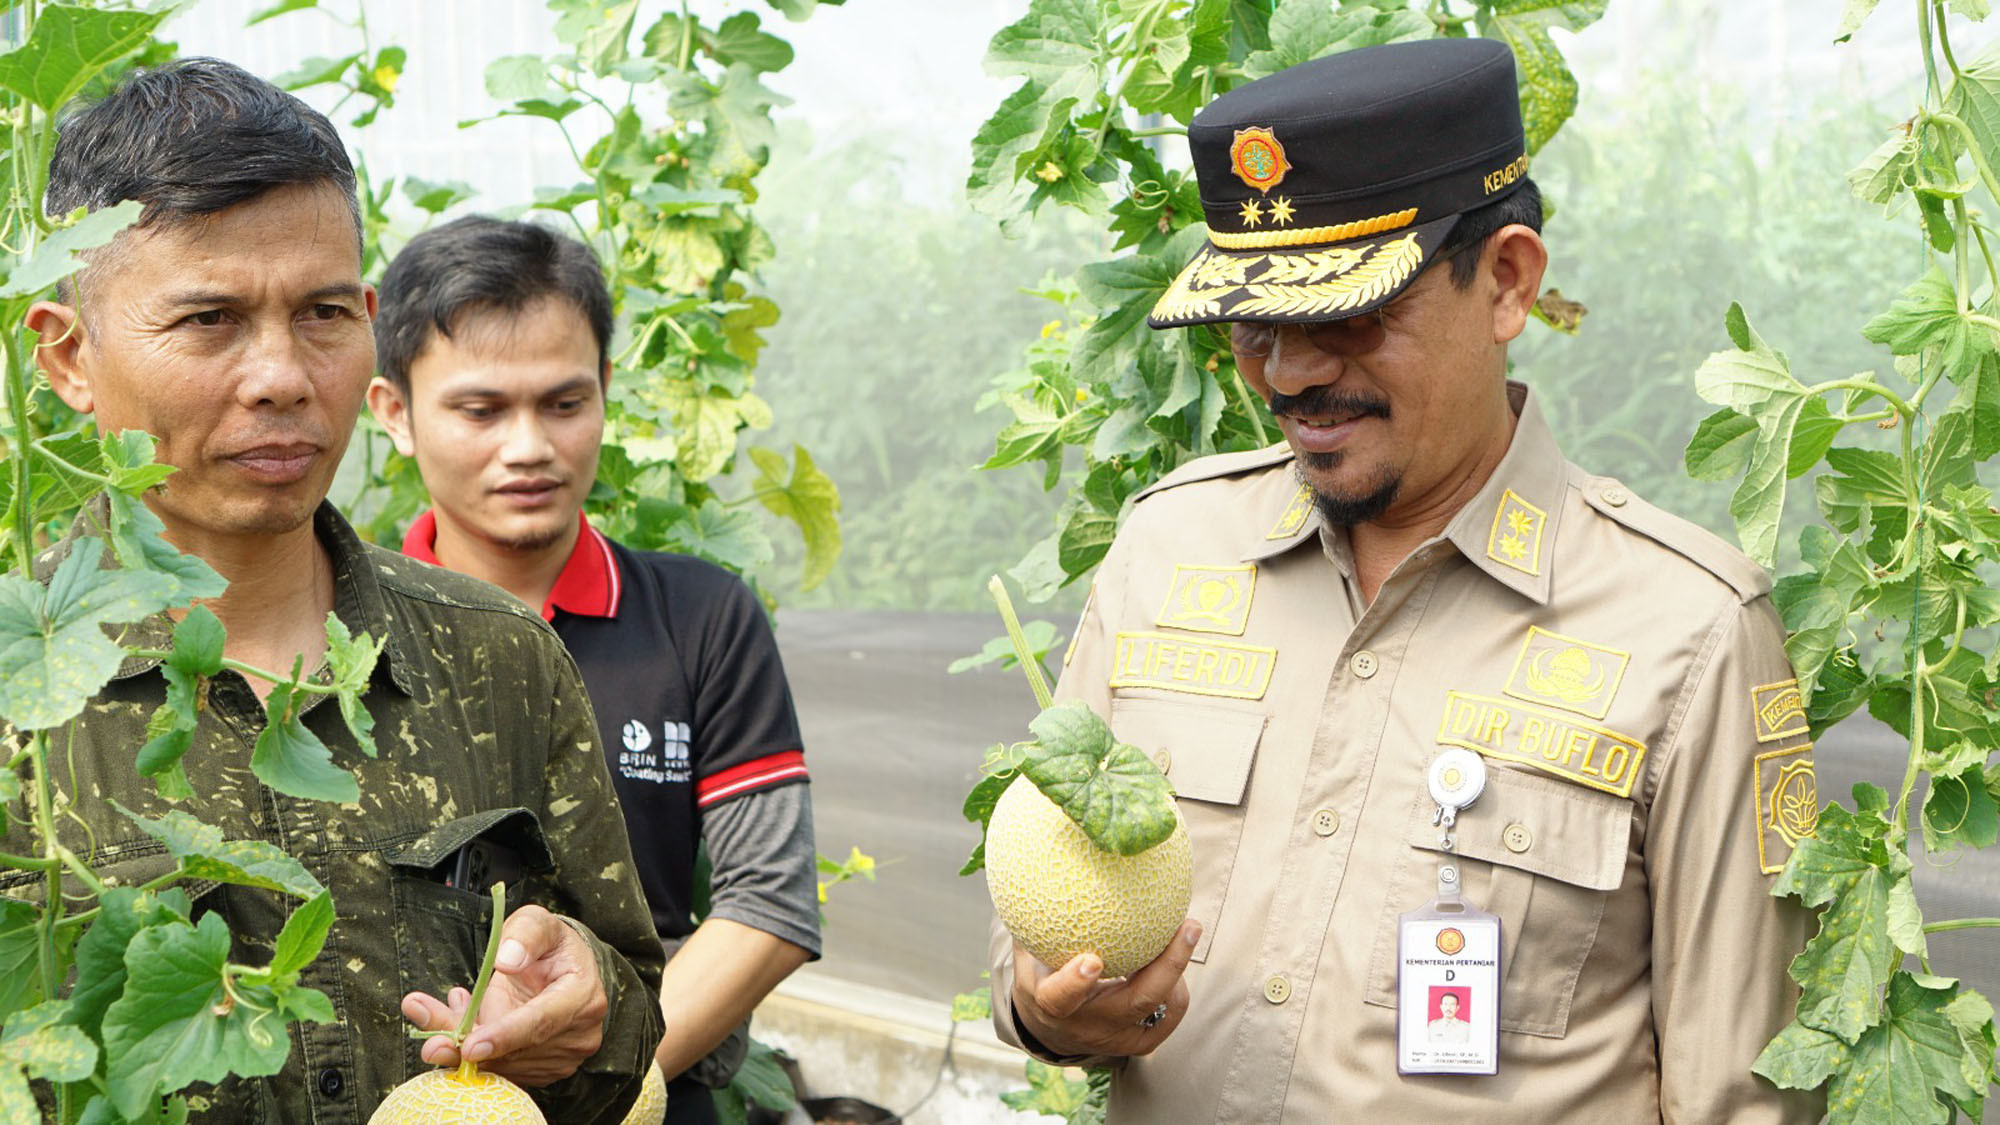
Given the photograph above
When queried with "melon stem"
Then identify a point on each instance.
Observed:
(485, 971)
(1030, 667)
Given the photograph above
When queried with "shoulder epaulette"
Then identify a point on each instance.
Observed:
(1695, 543)
(1220, 465)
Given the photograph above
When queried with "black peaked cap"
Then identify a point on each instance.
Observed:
(1330, 185)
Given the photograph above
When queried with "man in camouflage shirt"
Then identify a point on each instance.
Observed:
(233, 325)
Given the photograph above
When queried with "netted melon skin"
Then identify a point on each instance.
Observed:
(1061, 895)
(651, 1108)
(452, 1097)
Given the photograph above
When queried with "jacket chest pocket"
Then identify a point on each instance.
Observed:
(1543, 855)
(1207, 753)
(443, 907)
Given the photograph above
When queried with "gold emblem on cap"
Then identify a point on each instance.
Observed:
(1257, 158)
(1252, 214)
(1281, 210)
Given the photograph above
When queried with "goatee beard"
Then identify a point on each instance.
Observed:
(528, 544)
(1348, 509)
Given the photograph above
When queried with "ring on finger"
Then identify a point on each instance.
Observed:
(1154, 1017)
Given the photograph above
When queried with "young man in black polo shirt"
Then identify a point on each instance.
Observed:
(492, 341)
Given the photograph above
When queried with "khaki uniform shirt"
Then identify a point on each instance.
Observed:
(484, 732)
(1623, 675)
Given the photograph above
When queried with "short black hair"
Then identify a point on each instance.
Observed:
(479, 264)
(1523, 205)
(191, 138)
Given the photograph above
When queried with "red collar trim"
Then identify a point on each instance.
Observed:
(588, 586)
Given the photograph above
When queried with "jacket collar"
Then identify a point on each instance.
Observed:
(1507, 529)
(358, 598)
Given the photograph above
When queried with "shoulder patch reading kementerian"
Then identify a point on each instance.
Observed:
(1565, 672)
(1209, 599)
(1778, 710)
(1787, 793)
(1516, 538)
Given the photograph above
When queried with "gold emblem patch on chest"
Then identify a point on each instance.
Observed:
(1209, 599)
(1565, 672)
(1547, 740)
(1787, 803)
(1173, 663)
(1779, 711)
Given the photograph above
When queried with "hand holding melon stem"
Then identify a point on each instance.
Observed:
(485, 978)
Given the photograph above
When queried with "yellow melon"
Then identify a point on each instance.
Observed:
(651, 1108)
(458, 1096)
(1061, 895)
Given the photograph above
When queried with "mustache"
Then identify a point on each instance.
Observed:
(1329, 400)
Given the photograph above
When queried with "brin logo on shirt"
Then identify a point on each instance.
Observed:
(668, 763)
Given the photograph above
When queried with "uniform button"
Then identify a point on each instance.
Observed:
(1518, 838)
(1277, 990)
(331, 1083)
(1163, 760)
(1364, 664)
(1326, 822)
(1615, 496)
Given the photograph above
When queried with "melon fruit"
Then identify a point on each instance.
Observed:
(651, 1108)
(458, 1095)
(1059, 894)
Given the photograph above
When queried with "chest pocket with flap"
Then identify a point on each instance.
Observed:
(1542, 854)
(1207, 752)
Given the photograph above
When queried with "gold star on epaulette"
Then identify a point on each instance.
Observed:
(1252, 214)
(1281, 210)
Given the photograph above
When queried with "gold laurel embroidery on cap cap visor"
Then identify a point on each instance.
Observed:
(1198, 291)
(1341, 232)
(1370, 276)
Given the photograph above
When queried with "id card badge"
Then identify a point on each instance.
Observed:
(1448, 952)
(1447, 986)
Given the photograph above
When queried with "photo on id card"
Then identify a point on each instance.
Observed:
(1448, 994)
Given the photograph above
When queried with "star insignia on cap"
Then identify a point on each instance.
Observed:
(1281, 210)
(1252, 214)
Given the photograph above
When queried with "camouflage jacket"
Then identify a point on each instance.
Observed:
(484, 733)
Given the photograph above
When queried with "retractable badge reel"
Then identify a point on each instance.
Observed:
(1448, 950)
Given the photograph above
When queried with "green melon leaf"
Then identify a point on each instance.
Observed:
(176, 1025)
(1548, 89)
(247, 863)
(1901, 1069)
(54, 656)
(36, 1044)
(20, 948)
(1756, 381)
(69, 46)
(808, 499)
(60, 254)
(1861, 881)
(1111, 790)
(351, 662)
(290, 758)
(100, 956)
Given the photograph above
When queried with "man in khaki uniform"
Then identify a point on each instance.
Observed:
(1300, 634)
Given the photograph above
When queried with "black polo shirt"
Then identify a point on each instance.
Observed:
(690, 695)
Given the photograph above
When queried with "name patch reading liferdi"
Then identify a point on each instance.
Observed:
(1545, 739)
(1176, 663)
